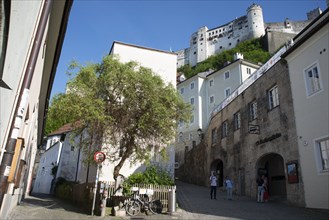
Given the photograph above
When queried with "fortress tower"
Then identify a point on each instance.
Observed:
(255, 21)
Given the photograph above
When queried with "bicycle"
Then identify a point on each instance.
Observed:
(138, 203)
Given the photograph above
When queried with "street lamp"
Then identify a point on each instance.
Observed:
(200, 133)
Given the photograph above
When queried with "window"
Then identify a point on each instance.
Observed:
(211, 82)
(72, 148)
(213, 136)
(248, 71)
(224, 129)
(227, 92)
(192, 85)
(252, 111)
(192, 119)
(180, 123)
(323, 147)
(192, 101)
(312, 79)
(182, 90)
(237, 121)
(226, 75)
(190, 136)
(273, 97)
(211, 99)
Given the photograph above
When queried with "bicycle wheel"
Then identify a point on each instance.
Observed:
(133, 208)
(155, 206)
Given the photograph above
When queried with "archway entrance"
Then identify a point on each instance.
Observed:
(217, 166)
(272, 166)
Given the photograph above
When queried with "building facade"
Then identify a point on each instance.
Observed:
(32, 34)
(277, 125)
(308, 68)
(204, 92)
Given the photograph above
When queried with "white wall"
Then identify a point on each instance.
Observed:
(161, 62)
(23, 20)
(44, 176)
(311, 115)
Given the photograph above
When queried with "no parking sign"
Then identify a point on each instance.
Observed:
(99, 157)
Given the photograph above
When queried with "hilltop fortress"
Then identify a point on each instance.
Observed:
(207, 42)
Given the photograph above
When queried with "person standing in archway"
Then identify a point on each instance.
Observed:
(265, 188)
(260, 189)
(213, 185)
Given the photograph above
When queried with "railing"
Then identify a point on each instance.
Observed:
(159, 192)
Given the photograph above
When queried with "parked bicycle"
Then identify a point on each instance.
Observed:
(140, 202)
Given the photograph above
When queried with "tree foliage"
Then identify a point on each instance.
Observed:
(125, 108)
(252, 50)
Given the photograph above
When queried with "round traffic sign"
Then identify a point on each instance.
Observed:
(99, 157)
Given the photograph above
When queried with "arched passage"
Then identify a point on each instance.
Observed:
(217, 166)
(272, 166)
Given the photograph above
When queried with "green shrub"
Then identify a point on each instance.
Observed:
(64, 189)
(152, 175)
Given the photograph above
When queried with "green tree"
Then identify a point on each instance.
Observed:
(125, 108)
(252, 50)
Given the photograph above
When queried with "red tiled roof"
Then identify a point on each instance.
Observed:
(65, 128)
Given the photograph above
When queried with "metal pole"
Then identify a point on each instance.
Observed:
(23, 99)
(95, 189)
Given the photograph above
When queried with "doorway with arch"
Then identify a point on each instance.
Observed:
(272, 166)
(217, 166)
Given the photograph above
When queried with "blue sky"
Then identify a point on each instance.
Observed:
(95, 24)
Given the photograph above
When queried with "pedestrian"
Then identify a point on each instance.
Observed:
(229, 186)
(266, 195)
(213, 185)
(260, 189)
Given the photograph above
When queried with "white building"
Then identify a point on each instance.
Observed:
(204, 92)
(206, 42)
(308, 68)
(32, 33)
(160, 62)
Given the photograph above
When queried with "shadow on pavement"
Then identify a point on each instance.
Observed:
(51, 202)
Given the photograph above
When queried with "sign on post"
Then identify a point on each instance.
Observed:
(99, 157)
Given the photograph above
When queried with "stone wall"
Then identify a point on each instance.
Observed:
(242, 154)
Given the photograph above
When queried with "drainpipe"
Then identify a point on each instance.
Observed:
(23, 99)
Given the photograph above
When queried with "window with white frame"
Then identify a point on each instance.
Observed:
(192, 119)
(252, 111)
(211, 99)
(211, 82)
(227, 92)
(182, 90)
(227, 75)
(192, 85)
(192, 101)
(180, 123)
(224, 129)
(323, 148)
(237, 121)
(273, 97)
(312, 79)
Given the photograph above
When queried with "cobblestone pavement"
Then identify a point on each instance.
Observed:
(194, 203)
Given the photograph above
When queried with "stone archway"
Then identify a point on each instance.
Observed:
(272, 166)
(217, 166)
